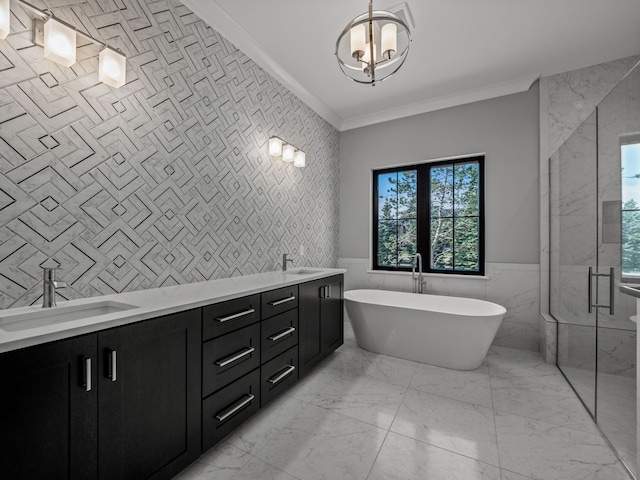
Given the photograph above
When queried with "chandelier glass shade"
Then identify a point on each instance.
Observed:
(390, 37)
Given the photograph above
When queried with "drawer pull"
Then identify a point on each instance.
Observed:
(235, 315)
(226, 361)
(235, 408)
(281, 376)
(113, 365)
(284, 333)
(280, 302)
(86, 383)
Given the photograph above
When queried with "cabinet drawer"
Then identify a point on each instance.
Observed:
(224, 411)
(278, 334)
(227, 358)
(278, 301)
(278, 374)
(226, 317)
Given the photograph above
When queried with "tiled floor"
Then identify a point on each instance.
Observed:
(366, 416)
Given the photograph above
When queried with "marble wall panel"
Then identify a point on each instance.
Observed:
(163, 181)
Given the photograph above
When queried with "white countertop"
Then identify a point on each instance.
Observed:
(152, 303)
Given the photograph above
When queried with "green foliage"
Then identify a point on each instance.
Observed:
(454, 199)
(631, 238)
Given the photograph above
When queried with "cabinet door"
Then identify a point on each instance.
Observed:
(48, 409)
(331, 315)
(149, 405)
(309, 339)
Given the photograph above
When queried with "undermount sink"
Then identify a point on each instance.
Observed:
(56, 315)
(303, 272)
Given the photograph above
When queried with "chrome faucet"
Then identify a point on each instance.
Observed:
(49, 285)
(285, 260)
(418, 281)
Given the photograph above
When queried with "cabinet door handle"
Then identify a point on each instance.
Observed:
(281, 376)
(323, 291)
(246, 400)
(284, 333)
(328, 291)
(226, 361)
(86, 373)
(235, 315)
(280, 302)
(112, 373)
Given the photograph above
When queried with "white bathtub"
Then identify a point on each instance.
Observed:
(451, 332)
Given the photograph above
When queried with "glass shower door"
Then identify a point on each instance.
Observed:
(574, 211)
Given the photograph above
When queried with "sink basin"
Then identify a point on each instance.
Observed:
(56, 315)
(303, 272)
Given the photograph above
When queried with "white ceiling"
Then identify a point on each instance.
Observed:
(462, 50)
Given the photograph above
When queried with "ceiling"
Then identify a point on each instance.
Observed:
(462, 50)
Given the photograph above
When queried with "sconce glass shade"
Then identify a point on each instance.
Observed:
(391, 39)
(59, 42)
(299, 160)
(288, 152)
(275, 147)
(5, 17)
(112, 67)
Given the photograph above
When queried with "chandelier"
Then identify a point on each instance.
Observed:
(390, 37)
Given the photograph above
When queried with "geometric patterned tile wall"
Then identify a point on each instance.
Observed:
(164, 181)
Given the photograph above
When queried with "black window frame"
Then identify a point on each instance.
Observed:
(423, 214)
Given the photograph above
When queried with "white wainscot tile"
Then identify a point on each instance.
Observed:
(397, 283)
(468, 386)
(404, 458)
(457, 426)
(518, 290)
(318, 444)
(518, 335)
(544, 451)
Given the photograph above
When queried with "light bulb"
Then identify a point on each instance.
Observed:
(299, 160)
(275, 147)
(288, 152)
(59, 43)
(112, 67)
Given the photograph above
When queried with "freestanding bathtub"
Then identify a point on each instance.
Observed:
(451, 332)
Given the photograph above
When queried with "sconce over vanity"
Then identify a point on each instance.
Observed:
(59, 40)
(278, 148)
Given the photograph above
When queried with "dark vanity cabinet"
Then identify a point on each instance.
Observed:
(321, 320)
(48, 408)
(149, 397)
(121, 403)
(144, 400)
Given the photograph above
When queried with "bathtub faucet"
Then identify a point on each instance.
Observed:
(418, 281)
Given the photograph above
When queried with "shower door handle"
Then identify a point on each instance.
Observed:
(611, 276)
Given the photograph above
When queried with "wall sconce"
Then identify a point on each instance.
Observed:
(280, 149)
(59, 41)
(5, 17)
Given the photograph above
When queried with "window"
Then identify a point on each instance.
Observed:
(435, 209)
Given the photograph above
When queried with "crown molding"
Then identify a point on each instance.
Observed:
(223, 23)
(468, 96)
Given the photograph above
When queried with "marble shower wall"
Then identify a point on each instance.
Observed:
(566, 101)
(515, 286)
(163, 181)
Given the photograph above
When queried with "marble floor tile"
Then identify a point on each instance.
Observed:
(507, 475)
(403, 458)
(553, 403)
(522, 365)
(472, 386)
(545, 451)
(461, 427)
(360, 397)
(360, 363)
(318, 444)
(258, 431)
(256, 469)
(221, 462)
